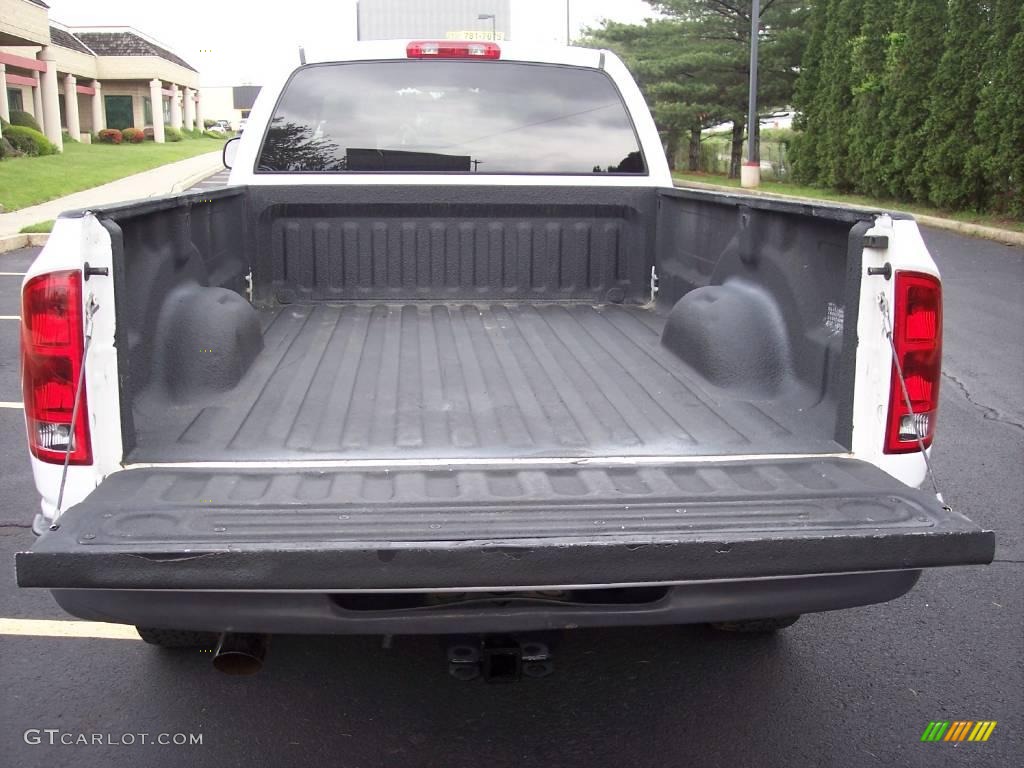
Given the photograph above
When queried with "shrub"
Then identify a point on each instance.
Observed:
(28, 141)
(215, 135)
(208, 123)
(134, 135)
(24, 119)
(148, 132)
(171, 133)
(67, 136)
(196, 133)
(9, 150)
(110, 136)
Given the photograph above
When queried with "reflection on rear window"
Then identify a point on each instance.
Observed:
(450, 117)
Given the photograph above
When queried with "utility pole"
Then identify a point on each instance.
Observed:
(568, 17)
(750, 173)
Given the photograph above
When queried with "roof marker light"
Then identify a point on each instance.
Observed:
(452, 49)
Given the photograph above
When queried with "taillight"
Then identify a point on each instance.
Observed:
(917, 335)
(52, 345)
(452, 49)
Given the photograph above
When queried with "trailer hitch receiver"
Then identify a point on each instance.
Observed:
(499, 659)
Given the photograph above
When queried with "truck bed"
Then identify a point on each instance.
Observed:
(466, 380)
(395, 322)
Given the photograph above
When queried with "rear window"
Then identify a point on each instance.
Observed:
(450, 117)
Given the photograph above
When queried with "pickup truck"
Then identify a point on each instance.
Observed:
(450, 354)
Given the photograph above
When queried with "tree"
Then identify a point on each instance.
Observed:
(681, 99)
(723, 27)
(867, 62)
(941, 174)
(694, 65)
(834, 98)
(808, 120)
(912, 58)
(921, 100)
(996, 156)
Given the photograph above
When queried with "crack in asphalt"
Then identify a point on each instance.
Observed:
(988, 412)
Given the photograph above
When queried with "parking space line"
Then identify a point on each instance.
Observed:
(12, 274)
(10, 405)
(48, 628)
(10, 317)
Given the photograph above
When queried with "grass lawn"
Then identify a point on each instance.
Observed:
(798, 190)
(41, 227)
(30, 180)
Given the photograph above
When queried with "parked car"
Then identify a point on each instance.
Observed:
(452, 355)
(241, 125)
(221, 126)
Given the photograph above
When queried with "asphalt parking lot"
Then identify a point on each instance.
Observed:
(850, 688)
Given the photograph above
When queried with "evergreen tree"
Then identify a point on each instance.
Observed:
(694, 64)
(673, 77)
(834, 97)
(997, 154)
(867, 66)
(918, 100)
(940, 175)
(807, 120)
(914, 50)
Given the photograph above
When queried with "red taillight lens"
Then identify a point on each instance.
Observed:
(917, 334)
(51, 361)
(452, 49)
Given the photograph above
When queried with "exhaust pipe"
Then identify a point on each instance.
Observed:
(240, 654)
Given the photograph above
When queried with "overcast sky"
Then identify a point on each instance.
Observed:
(235, 43)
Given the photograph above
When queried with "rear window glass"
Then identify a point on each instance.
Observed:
(450, 117)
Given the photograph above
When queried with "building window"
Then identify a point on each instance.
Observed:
(147, 110)
(167, 110)
(119, 112)
(14, 99)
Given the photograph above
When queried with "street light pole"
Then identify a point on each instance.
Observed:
(750, 173)
(494, 23)
(568, 18)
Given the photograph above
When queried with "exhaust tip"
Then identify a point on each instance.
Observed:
(240, 654)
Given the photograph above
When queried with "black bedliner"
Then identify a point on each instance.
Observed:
(486, 526)
(417, 321)
(468, 380)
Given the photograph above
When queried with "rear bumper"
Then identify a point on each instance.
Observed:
(310, 613)
(496, 528)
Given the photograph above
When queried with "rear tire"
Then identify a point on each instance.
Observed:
(177, 638)
(756, 626)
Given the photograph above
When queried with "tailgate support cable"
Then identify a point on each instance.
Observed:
(883, 305)
(90, 310)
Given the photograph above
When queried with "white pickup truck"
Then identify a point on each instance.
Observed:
(450, 354)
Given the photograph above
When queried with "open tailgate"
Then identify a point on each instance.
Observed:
(522, 524)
